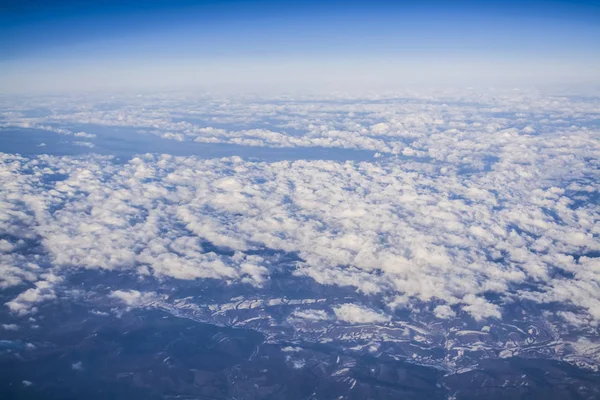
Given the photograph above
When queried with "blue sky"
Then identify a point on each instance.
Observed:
(172, 43)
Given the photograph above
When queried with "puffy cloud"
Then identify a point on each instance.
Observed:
(444, 312)
(355, 314)
(480, 308)
(480, 207)
(25, 303)
(6, 246)
(455, 126)
(384, 228)
(84, 144)
(133, 298)
(84, 135)
(77, 366)
(311, 315)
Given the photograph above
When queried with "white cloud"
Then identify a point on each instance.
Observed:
(482, 205)
(444, 312)
(85, 135)
(480, 308)
(175, 136)
(425, 235)
(6, 246)
(25, 303)
(355, 314)
(84, 144)
(133, 298)
(311, 315)
(77, 366)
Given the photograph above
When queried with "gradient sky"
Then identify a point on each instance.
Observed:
(74, 45)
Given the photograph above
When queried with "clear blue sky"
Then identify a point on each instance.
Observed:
(76, 43)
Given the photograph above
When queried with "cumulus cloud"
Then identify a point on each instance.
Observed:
(84, 144)
(311, 315)
(355, 314)
(480, 308)
(84, 135)
(480, 209)
(338, 121)
(77, 366)
(444, 312)
(25, 303)
(133, 298)
(427, 236)
(6, 246)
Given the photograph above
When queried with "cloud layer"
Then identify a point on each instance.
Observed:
(490, 201)
(400, 230)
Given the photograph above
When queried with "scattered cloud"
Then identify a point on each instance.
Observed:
(133, 298)
(77, 366)
(84, 144)
(312, 315)
(25, 303)
(84, 135)
(355, 314)
(490, 196)
(444, 312)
